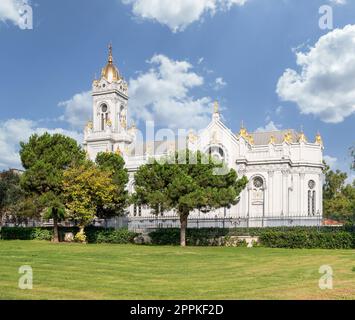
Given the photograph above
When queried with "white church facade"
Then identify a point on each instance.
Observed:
(284, 169)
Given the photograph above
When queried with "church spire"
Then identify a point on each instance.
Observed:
(110, 57)
(216, 115)
(110, 72)
(216, 107)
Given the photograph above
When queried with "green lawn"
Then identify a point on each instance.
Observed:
(75, 271)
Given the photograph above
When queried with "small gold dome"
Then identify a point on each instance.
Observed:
(288, 137)
(243, 131)
(302, 137)
(110, 72)
(319, 139)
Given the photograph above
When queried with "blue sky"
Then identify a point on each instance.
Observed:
(233, 52)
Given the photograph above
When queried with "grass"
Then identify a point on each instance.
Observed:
(75, 271)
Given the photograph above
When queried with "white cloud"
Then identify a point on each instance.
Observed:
(13, 131)
(330, 161)
(325, 86)
(162, 94)
(10, 10)
(78, 110)
(219, 84)
(338, 2)
(178, 14)
(271, 126)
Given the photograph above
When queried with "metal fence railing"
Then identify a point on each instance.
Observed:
(154, 222)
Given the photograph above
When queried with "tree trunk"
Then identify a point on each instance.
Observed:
(183, 228)
(55, 226)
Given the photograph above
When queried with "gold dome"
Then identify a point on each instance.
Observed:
(243, 131)
(288, 137)
(302, 137)
(110, 72)
(319, 139)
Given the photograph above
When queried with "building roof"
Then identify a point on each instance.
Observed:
(155, 148)
(263, 138)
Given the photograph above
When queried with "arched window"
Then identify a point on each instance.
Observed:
(137, 210)
(216, 153)
(104, 116)
(311, 198)
(258, 187)
(258, 182)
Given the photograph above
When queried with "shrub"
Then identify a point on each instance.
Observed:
(166, 236)
(19, 233)
(80, 237)
(121, 236)
(42, 234)
(93, 234)
(308, 240)
(277, 237)
(194, 237)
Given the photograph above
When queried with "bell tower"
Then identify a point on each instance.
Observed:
(110, 99)
(108, 131)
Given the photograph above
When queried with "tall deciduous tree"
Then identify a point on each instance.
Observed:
(45, 158)
(86, 186)
(114, 163)
(187, 182)
(338, 197)
(10, 192)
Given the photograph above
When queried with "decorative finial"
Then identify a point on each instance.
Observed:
(288, 137)
(272, 140)
(243, 131)
(302, 137)
(110, 57)
(216, 107)
(319, 139)
(89, 125)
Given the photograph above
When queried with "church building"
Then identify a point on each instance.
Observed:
(283, 167)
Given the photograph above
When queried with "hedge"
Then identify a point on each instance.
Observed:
(308, 240)
(93, 234)
(19, 233)
(279, 237)
(276, 237)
